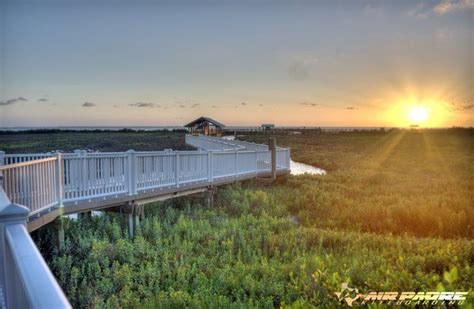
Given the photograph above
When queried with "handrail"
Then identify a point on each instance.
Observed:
(45, 183)
(52, 182)
(26, 163)
(33, 183)
(24, 275)
(40, 288)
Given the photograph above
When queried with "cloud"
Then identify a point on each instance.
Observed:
(420, 11)
(88, 104)
(446, 6)
(214, 106)
(309, 104)
(460, 106)
(351, 107)
(243, 103)
(12, 101)
(424, 10)
(260, 105)
(42, 100)
(115, 106)
(144, 104)
(186, 103)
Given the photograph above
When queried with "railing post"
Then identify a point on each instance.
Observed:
(59, 178)
(10, 214)
(176, 175)
(81, 172)
(272, 148)
(132, 181)
(24, 275)
(209, 175)
(2, 157)
(256, 162)
(236, 162)
(288, 159)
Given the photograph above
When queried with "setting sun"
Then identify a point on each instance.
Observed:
(418, 114)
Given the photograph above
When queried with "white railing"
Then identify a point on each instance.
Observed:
(33, 183)
(52, 181)
(283, 158)
(25, 279)
(87, 175)
(155, 170)
(264, 161)
(20, 158)
(43, 181)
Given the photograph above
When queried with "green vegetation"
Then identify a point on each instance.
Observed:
(245, 251)
(394, 213)
(419, 183)
(68, 141)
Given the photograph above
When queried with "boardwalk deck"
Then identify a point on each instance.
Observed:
(50, 185)
(54, 184)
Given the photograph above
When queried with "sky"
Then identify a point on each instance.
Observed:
(303, 63)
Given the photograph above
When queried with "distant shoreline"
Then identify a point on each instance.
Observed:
(181, 128)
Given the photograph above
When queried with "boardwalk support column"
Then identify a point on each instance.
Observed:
(85, 215)
(209, 197)
(130, 225)
(133, 212)
(272, 148)
(59, 227)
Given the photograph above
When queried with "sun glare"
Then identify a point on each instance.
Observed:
(418, 114)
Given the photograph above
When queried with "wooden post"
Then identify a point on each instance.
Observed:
(58, 225)
(2, 158)
(59, 179)
(61, 237)
(209, 197)
(87, 215)
(136, 217)
(272, 148)
(130, 224)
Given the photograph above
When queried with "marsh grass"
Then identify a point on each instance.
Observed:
(394, 213)
(109, 141)
(418, 183)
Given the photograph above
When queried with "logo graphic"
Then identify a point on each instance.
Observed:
(348, 294)
(351, 296)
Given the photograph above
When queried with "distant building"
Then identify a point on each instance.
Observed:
(267, 126)
(205, 126)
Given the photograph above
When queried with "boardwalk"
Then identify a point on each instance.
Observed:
(49, 185)
(54, 184)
